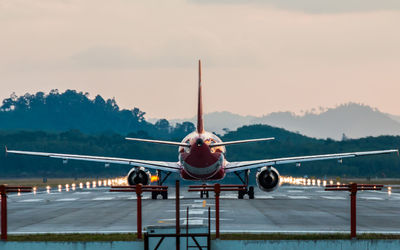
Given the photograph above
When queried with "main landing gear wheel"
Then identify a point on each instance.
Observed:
(204, 193)
(154, 195)
(160, 182)
(249, 190)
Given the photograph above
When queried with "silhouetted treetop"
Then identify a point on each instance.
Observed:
(57, 111)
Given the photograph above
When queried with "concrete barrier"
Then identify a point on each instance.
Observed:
(307, 244)
(216, 244)
(116, 245)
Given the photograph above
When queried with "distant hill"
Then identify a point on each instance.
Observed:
(353, 120)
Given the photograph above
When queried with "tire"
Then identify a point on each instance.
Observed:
(240, 195)
(201, 195)
(251, 192)
(154, 195)
(165, 195)
(207, 195)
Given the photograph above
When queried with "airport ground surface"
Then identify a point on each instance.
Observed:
(288, 209)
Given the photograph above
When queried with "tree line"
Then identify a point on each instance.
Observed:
(114, 145)
(71, 122)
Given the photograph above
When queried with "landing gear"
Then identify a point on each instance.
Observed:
(204, 193)
(245, 180)
(160, 182)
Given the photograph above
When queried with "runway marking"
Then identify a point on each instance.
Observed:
(135, 198)
(124, 196)
(197, 211)
(172, 197)
(196, 205)
(229, 196)
(196, 218)
(264, 197)
(102, 199)
(67, 199)
(82, 192)
(295, 191)
(280, 195)
(298, 197)
(204, 203)
(198, 201)
(193, 222)
(334, 197)
(372, 198)
(31, 200)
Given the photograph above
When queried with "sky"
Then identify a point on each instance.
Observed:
(258, 56)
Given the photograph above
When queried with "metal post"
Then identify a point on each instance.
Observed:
(217, 190)
(187, 227)
(178, 241)
(3, 213)
(139, 210)
(353, 219)
(209, 228)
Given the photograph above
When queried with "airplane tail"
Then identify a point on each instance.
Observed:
(200, 125)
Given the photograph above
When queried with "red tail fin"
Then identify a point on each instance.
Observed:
(200, 127)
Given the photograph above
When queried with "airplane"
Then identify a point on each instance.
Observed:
(202, 158)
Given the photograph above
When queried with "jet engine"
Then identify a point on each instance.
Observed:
(139, 176)
(267, 179)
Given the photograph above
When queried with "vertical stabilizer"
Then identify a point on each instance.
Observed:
(200, 127)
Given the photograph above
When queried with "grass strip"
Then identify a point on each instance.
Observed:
(74, 237)
(321, 236)
(231, 236)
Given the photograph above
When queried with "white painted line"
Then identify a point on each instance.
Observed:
(299, 197)
(199, 201)
(172, 197)
(197, 205)
(197, 211)
(372, 198)
(67, 199)
(102, 199)
(334, 197)
(229, 196)
(264, 197)
(82, 192)
(193, 222)
(295, 191)
(195, 218)
(280, 195)
(31, 200)
(135, 198)
(124, 196)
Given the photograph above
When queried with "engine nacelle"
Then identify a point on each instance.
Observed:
(139, 176)
(267, 179)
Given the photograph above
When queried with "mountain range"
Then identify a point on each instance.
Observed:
(349, 120)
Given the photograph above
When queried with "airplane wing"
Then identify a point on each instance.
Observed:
(160, 165)
(159, 142)
(243, 165)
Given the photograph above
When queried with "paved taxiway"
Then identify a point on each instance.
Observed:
(288, 209)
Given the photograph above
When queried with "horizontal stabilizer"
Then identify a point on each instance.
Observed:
(180, 144)
(241, 141)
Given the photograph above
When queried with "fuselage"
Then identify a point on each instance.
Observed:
(200, 161)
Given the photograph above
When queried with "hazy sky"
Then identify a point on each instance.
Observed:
(258, 56)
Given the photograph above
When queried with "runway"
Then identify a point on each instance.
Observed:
(288, 209)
